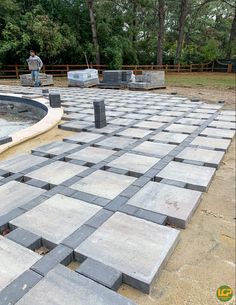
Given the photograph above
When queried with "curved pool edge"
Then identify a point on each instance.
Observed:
(51, 119)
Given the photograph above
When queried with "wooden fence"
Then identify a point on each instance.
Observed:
(14, 71)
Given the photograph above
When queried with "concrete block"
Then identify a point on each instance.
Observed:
(4, 140)
(100, 273)
(98, 219)
(115, 204)
(25, 238)
(55, 100)
(5, 219)
(78, 236)
(150, 216)
(60, 254)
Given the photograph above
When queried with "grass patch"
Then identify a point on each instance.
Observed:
(210, 80)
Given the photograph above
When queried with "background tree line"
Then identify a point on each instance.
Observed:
(117, 32)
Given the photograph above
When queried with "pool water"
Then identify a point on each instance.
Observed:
(10, 123)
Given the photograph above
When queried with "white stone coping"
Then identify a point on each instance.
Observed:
(51, 119)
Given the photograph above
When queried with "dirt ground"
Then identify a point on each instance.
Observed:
(205, 256)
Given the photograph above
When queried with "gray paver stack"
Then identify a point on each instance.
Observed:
(113, 199)
(148, 80)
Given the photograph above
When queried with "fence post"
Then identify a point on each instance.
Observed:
(166, 68)
(44, 69)
(67, 68)
(213, 66)
(202, 67)
(191, 68)
(178, 67)
(229, 68)
(17, 71)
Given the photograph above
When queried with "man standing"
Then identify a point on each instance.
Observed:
(35, 65)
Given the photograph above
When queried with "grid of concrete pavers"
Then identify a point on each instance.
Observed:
(112, 199)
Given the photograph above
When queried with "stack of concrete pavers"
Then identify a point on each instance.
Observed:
(148, 80)
(100, 114)
(116, 79)
(83, 78)
(45, 80)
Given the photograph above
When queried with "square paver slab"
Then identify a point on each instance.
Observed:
(75, 125)
(157, 149)
(91, 154)
(20, 163)
(196, 177)
(122, 121)
(177, 203)
(218, 133)
(55, 148)
(169, 137)
(134, 163)
(149, 124)
(116, 142)
(83, 137)
(208, 157)
(223, 124)
(181, 128)
(56, 218)
(14, 260)
(218, 144)
(161, 118)
(105, 130)
(62, 286)
(137, 133)
(57, 172)
(15, 194)
(135, 247)
(103, 184)
(189, 121)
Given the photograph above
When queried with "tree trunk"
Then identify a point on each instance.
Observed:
(134, 21)
(161, 31)
(94, 31)
(182, 18)
(232, 38)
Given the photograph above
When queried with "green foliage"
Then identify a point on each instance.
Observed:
(60, 31)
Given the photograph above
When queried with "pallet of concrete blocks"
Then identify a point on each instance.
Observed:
(83, 78)
(45, 80)
(148, 81)
(116, 79)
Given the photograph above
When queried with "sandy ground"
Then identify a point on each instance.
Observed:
(204, 94)
(205, 257)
